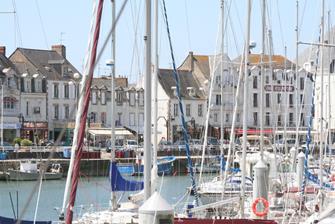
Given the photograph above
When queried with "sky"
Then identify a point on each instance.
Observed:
(194, 26)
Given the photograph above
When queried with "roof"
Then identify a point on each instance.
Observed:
(6, 63)
(167, 80)
(47, 62)
(277, 61)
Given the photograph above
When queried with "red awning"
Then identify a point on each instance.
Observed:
(9, 99)
(254, 131)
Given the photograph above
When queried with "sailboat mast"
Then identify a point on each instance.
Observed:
(147, 109)
(112, 145)
(245, 105)
(262, 81)
(222, 92)
(322, 96)
(329, 96)
(155, 109)
(296, 144)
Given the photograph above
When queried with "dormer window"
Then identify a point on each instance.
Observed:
(174, 89)
(191, 91)
(103, 97)
(94, 97)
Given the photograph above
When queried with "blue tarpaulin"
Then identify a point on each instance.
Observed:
(118, 183)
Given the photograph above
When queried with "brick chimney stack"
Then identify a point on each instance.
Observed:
(3, 50)
(60, 49)
(192, 60)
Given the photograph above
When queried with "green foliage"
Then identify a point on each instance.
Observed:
(17, 141)
(26, 142)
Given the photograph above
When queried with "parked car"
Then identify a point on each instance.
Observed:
(130, 144)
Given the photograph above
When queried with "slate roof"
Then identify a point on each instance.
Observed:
(166, 79)
(107, 82)
(278, 61)
(6, 63)
(47, 62)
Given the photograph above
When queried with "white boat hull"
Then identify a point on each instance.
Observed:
(26, 176)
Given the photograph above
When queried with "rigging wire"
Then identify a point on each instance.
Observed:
(41, 23)
(187, 26)
(176, 76)
(17, 25)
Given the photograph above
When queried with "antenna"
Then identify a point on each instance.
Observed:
(61, 37)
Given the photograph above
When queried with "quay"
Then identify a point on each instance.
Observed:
(90, 167)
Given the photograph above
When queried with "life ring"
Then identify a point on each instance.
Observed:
(265, 204)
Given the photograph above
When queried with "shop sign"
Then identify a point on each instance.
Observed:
(39, 125)
(11, 126)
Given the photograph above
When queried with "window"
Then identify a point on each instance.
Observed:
(267, 100)
(132, 119)
(141, 119)
(238, 117)
(119, 119)
(278, 98)
(267, 119)
(93, 117)
(291, 100)
(301, 99)
(132, 98)
(227, 117)
(141, 98)
(291, 124)
(39, 85)
(28, 85)
(66, 111)
(215, 117)
(302, 120)
(103, 118)
(33, 85)
(218, 80)
(27, 108)
(302, 83)
(8, 105)
(255, 118)
(188, 110)
(175, 110)
(56, 92)
(279, 121)
(218, 99)
(119, 97)
(200, 110)
(103, 97)
(94, 97)
(56, 112)
(66, 91)
(254, 83)
(37, 110)
(267, 79)
(255, 100)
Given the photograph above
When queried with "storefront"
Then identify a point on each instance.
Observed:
(37, 132)
(11, 131)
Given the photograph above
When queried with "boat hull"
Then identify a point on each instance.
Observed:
(5, 220)
(164, 166)
(221, 221)
(26, 176)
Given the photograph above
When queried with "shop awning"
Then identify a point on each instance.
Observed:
(108, 132)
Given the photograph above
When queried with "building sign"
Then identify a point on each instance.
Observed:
(40, 125)
(278, 88)
(11, 126)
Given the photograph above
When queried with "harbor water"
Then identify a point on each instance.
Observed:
(93, 194)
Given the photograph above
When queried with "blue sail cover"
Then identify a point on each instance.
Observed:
(118, 183)
(5, 220)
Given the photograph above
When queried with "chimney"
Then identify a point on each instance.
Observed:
(60, 49)
(192, 61)
(3, 50)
